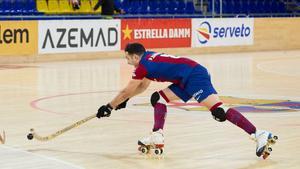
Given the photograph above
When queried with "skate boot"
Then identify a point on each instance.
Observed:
(264, 141)
(154, 142)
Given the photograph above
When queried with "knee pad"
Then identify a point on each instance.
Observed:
(219, 114)
(154, 98)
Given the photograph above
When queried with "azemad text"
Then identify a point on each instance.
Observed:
(79, 38)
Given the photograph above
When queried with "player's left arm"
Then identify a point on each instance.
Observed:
(136, 85)
(141, 88)
(122, 96)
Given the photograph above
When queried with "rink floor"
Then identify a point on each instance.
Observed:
(50, 96)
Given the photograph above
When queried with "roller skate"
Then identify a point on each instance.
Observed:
(152, 143)
(264, 141)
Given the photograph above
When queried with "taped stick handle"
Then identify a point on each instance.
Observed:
(59, 132)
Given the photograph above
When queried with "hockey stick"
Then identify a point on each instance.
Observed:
(34, 135)
(2, 139)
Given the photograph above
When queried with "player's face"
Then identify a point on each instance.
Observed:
(131, 59)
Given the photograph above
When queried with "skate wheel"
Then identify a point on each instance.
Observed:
(158, 151)
(272, 141)
(269, 149)
(144, 150)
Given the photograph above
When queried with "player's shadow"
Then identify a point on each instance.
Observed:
(132, 160)
(99, 154)
(260, 164)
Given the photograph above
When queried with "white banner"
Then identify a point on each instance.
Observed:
(67, 36)
(222, 32)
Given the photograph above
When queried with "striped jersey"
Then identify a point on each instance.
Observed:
(164, 68)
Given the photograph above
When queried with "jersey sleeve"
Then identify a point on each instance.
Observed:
(139, 73)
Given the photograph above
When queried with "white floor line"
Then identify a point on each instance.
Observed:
(13, 158)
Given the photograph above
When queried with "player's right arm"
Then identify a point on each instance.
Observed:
(122, 96)
(136, 85)
(142, 87)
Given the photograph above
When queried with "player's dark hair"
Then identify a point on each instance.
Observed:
(135, 48)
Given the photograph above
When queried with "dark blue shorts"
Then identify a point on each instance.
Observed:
(198, 86)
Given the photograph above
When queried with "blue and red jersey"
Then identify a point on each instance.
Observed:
(164, 68)
(189, 78)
